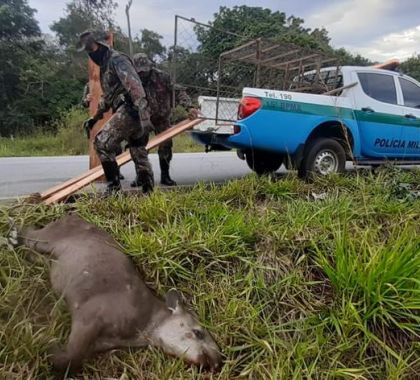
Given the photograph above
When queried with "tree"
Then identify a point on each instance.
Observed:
(19, 33)
(411, 67)
(150, 44)
(83, 15)
(253, 22)
(38, 79)
(347, 58)
(17, 20)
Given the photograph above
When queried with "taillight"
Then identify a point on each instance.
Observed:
(236, 129)
(248, 106)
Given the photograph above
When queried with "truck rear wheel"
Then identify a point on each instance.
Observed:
(262, 162)
(323, 156)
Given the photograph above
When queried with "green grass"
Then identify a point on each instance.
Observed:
(70, 140)
(291, 287)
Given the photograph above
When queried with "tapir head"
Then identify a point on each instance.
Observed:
(180, 334)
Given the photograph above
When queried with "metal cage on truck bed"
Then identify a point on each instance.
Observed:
(218, 78)
(263, 63)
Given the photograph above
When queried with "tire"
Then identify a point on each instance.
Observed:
(262, 162)
(322, 157)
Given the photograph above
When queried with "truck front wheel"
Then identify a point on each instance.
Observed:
(262, 162)
(322, 157)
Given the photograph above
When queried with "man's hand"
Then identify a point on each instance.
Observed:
(193, 113)
(88, 125)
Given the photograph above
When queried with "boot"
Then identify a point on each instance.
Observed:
(148, 186)
(136, 183)
(112, 175)
(165, 178)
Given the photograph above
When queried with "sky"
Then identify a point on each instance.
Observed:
(377, 29)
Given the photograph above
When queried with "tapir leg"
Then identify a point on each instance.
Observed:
(36, 240)
(80, 345)
(106, 344)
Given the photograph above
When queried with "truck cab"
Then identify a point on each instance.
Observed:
(371, 117)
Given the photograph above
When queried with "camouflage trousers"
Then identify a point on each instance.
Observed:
(124, 125)
(161, 124)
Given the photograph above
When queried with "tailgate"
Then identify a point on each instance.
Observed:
(226, 108)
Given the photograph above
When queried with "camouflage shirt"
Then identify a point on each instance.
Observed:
(120, 84)
(159, 92)
(182, 98)
(159, 89)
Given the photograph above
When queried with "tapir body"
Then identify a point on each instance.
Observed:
(110, 304)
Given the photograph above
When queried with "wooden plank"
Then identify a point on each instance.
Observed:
(391, 64)
(67, 183)
(95, 90)
(88, 177)
(71, 181)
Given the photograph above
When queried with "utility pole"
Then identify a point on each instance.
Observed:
(130, 41)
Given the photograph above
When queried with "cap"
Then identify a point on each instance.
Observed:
(88, 38)
(142, 62)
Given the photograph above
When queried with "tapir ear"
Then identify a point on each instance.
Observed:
(173, 300)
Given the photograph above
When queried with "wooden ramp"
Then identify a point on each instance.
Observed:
(64, 190)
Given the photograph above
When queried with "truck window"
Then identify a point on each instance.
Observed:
(411, 93)
(379, 86)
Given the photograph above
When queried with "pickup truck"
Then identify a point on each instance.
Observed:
(371, 118)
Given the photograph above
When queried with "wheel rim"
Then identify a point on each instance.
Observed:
(326, 162)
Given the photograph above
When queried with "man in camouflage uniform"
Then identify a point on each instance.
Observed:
(157, 85)
(124, 94)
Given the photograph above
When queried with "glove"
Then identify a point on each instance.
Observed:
(88, 125)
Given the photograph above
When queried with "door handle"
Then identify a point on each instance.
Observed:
(367, 109)
(410, 116)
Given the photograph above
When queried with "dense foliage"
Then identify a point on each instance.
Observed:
(42, 77)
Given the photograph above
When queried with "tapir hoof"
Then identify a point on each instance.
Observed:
(62, 363)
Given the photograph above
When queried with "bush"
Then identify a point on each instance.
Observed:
(69, 139)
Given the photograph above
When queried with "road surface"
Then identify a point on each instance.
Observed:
(21, 176)
(25, 175)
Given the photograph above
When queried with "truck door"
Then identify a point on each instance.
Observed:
(379, 115)
(411, 130)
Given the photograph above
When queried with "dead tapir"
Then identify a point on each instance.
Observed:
(110, 305)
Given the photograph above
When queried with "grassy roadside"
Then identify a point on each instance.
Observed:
(294, 280)
(71, 144)
(70, 140)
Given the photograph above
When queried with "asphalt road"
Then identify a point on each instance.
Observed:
(25, 175)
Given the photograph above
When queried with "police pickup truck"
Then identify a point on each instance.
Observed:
(371, 118)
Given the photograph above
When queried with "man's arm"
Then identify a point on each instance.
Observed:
(184, 100)
(103, 106)
(132, 84)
